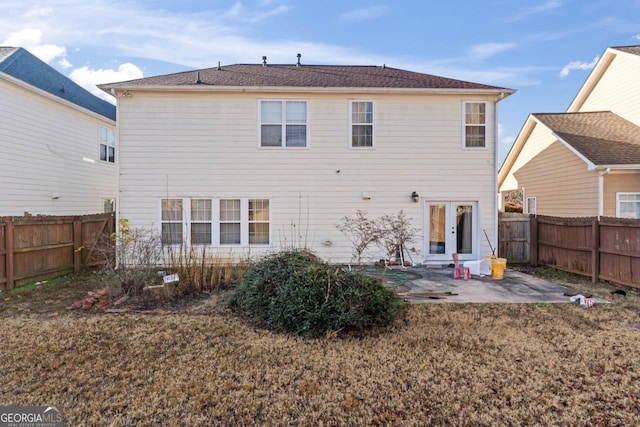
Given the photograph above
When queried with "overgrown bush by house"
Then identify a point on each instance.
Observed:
(297, 292)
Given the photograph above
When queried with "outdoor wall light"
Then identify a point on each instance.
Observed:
(415, 197)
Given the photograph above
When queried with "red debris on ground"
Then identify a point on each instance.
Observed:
(100, 299)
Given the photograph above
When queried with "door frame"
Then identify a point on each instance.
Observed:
(450, 242)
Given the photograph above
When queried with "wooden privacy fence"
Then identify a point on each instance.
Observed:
(35, 248)
(603, 249)
(514, 241)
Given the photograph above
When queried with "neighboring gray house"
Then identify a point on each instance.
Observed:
(57, 141)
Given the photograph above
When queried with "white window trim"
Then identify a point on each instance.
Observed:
(283, 124)
(215, 222)
(373, 125)
(618, 194)
(535, 205)
(464, 125)
(106, 143)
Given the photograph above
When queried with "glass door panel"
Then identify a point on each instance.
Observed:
(451, 227)
(437, 228)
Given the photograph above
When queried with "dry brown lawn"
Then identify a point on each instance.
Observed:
(443, 364)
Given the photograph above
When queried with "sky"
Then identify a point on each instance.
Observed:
(544, 49)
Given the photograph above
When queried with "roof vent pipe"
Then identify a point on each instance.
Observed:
(264, 61)
(198, 81)
(219, 67)
(299, 56)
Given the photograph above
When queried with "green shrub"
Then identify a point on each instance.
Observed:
(295, 291)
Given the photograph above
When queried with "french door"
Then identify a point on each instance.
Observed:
(450, 227)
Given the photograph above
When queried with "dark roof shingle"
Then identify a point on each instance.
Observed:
(306, 76)
(602, 137)
(22, 65)
(635, 50)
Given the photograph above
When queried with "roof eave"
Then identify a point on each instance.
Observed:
(500, 92)
(52, 97)
(618, 167)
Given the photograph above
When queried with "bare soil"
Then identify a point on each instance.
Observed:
(194, 363)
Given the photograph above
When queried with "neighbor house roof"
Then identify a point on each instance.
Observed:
(305, 76)
(603, 137)
(635, 50)
(22, 65)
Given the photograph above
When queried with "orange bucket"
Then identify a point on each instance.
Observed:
(497, 268)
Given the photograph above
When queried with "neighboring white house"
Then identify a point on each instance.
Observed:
(57, 141)
(249, 158)
(585, 162)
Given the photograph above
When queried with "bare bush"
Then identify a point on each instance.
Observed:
(361, 231)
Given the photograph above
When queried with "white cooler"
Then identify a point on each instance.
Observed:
(481, 267)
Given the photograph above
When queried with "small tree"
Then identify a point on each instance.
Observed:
(394, 232)
(361, 231)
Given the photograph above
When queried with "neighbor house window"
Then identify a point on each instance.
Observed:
(475, 124)
(107, 145)
(171, 218)
(108, 205)
(628, 205)
(532, 203)
(283, 123)
(259, 221)
(201, 221)
(230, 222)
(361, 128)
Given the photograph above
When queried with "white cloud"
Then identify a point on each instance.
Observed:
(364, 14)
(31, 39)
(502, 137)
(89, 78)
(486, 50)
(534, 10)
(637, 37)
(578, 65)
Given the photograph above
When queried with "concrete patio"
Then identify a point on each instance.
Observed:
(437, 285)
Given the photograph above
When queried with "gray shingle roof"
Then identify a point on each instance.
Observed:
(22, 65)
(305, 76)
(635, 50)
(602, 137)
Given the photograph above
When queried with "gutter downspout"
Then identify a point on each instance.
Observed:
(601, 175)
(495, 170)
(117, 225)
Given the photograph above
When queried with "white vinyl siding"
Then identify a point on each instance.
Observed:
(205, 147)
(361, 127)
(618, 90)
(50, 162)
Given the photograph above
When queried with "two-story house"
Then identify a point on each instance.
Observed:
(586, 161)
(57, 141)
(249, 158)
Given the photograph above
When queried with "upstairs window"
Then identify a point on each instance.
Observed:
(283, 123)
(475, 124)
(361, 128)
(107, 145)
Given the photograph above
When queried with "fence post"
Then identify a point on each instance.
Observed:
(9, 264)
(533, 240)
(595, 252)
(77, 242)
